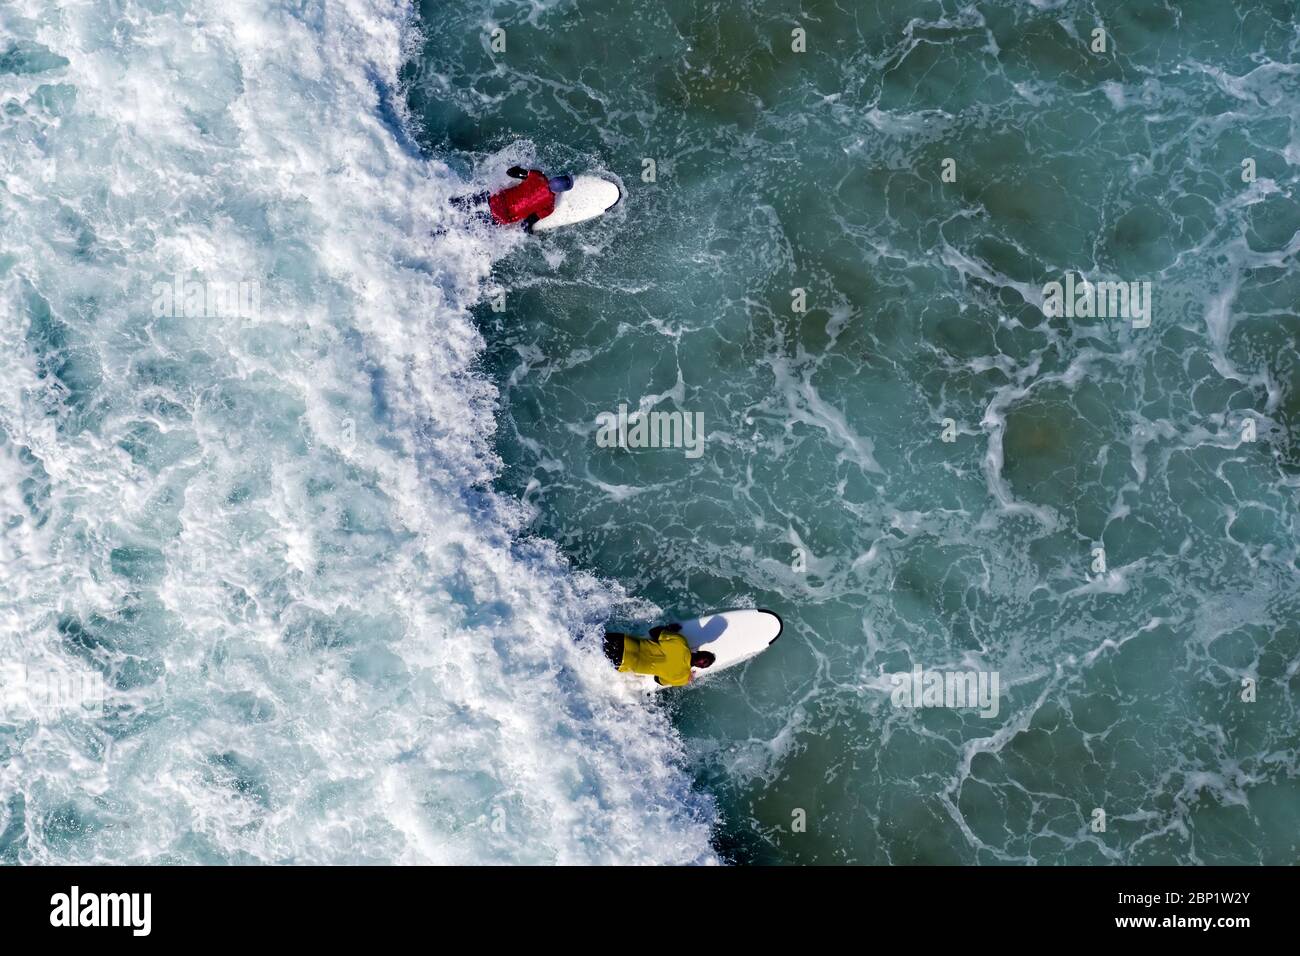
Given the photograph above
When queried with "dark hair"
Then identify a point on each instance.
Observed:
(702, 659)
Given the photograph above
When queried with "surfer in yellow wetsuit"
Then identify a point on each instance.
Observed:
(665, 655)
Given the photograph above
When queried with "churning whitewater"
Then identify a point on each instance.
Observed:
(247, 461)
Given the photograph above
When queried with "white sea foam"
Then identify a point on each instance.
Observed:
(321, 636)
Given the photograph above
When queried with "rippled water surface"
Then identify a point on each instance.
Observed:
(1112, 528)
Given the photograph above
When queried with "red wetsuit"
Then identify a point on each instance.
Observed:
(531, 197)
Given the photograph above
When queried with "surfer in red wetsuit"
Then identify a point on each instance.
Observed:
(531, 200)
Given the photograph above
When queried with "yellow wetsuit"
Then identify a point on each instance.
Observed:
(667, 657)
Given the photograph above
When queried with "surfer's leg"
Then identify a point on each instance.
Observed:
(469, 202)
(614, 647)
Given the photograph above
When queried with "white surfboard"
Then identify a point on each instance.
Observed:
(590, 197)
(731, 636)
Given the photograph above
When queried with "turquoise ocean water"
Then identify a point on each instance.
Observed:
(307, 540)
(826, 491)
